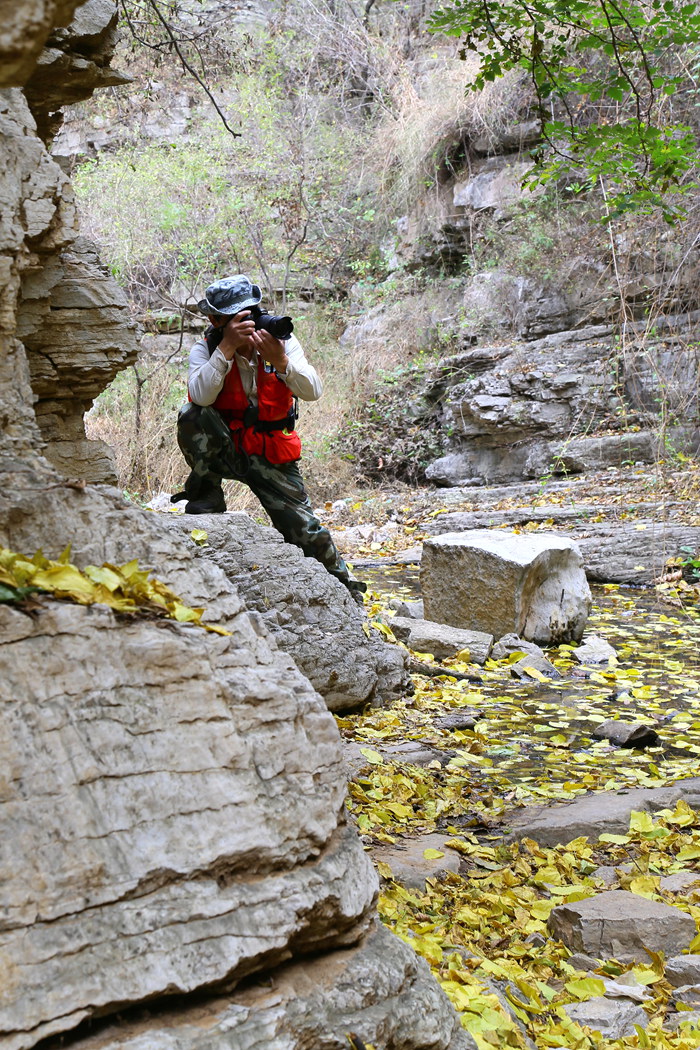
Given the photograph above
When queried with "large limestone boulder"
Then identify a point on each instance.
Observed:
(172, 805)
(173, 814)
(171, 801)
(308, 612)
(507, 583)
(313, 1004)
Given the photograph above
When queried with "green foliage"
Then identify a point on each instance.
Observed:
(176, 214)
(604, 72)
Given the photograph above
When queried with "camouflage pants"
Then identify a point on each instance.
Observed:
(206, 443)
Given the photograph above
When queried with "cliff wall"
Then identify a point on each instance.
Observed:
(171, 801)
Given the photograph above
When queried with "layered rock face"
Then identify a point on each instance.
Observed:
(171, 801)
(309, 614)
(64, 322)
(566, 403)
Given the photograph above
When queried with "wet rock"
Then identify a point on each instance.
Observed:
(683, 970)
(409, 864)
(595, 650)
(621, 925)
(512, 643)
(504, 583)
(613, 1018)
(626, 734)
(459, 720)
(443, 641)
(534, 663)
(414, 753)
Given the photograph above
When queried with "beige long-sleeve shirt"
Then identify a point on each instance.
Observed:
(207, 374)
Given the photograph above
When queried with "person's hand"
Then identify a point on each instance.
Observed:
(270, 349)
(238, 334)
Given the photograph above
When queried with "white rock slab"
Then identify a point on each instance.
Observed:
(532, 585)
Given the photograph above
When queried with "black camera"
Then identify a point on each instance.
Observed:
(279, 327)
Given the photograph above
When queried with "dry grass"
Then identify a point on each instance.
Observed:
(418, 143)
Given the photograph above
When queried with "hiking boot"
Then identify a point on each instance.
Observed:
(210, 502)
(356, 589)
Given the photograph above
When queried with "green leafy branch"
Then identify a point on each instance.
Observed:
(602, 73)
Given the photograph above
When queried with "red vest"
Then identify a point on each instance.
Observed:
(275, 405)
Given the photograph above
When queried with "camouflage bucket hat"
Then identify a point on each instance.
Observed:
(230, 295)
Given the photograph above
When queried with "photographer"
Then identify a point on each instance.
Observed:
(243, 383)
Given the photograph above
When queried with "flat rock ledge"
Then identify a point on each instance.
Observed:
(380, 990)
(605, 811)
(441, 640)
(613, 1018)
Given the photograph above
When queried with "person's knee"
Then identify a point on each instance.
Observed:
(189, 416)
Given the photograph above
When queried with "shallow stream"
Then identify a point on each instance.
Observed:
(533, 739)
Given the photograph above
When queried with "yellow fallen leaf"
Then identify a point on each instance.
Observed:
(372, 756)
(645, 886)
(585, 988)
(532, 672)
(432, 854)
